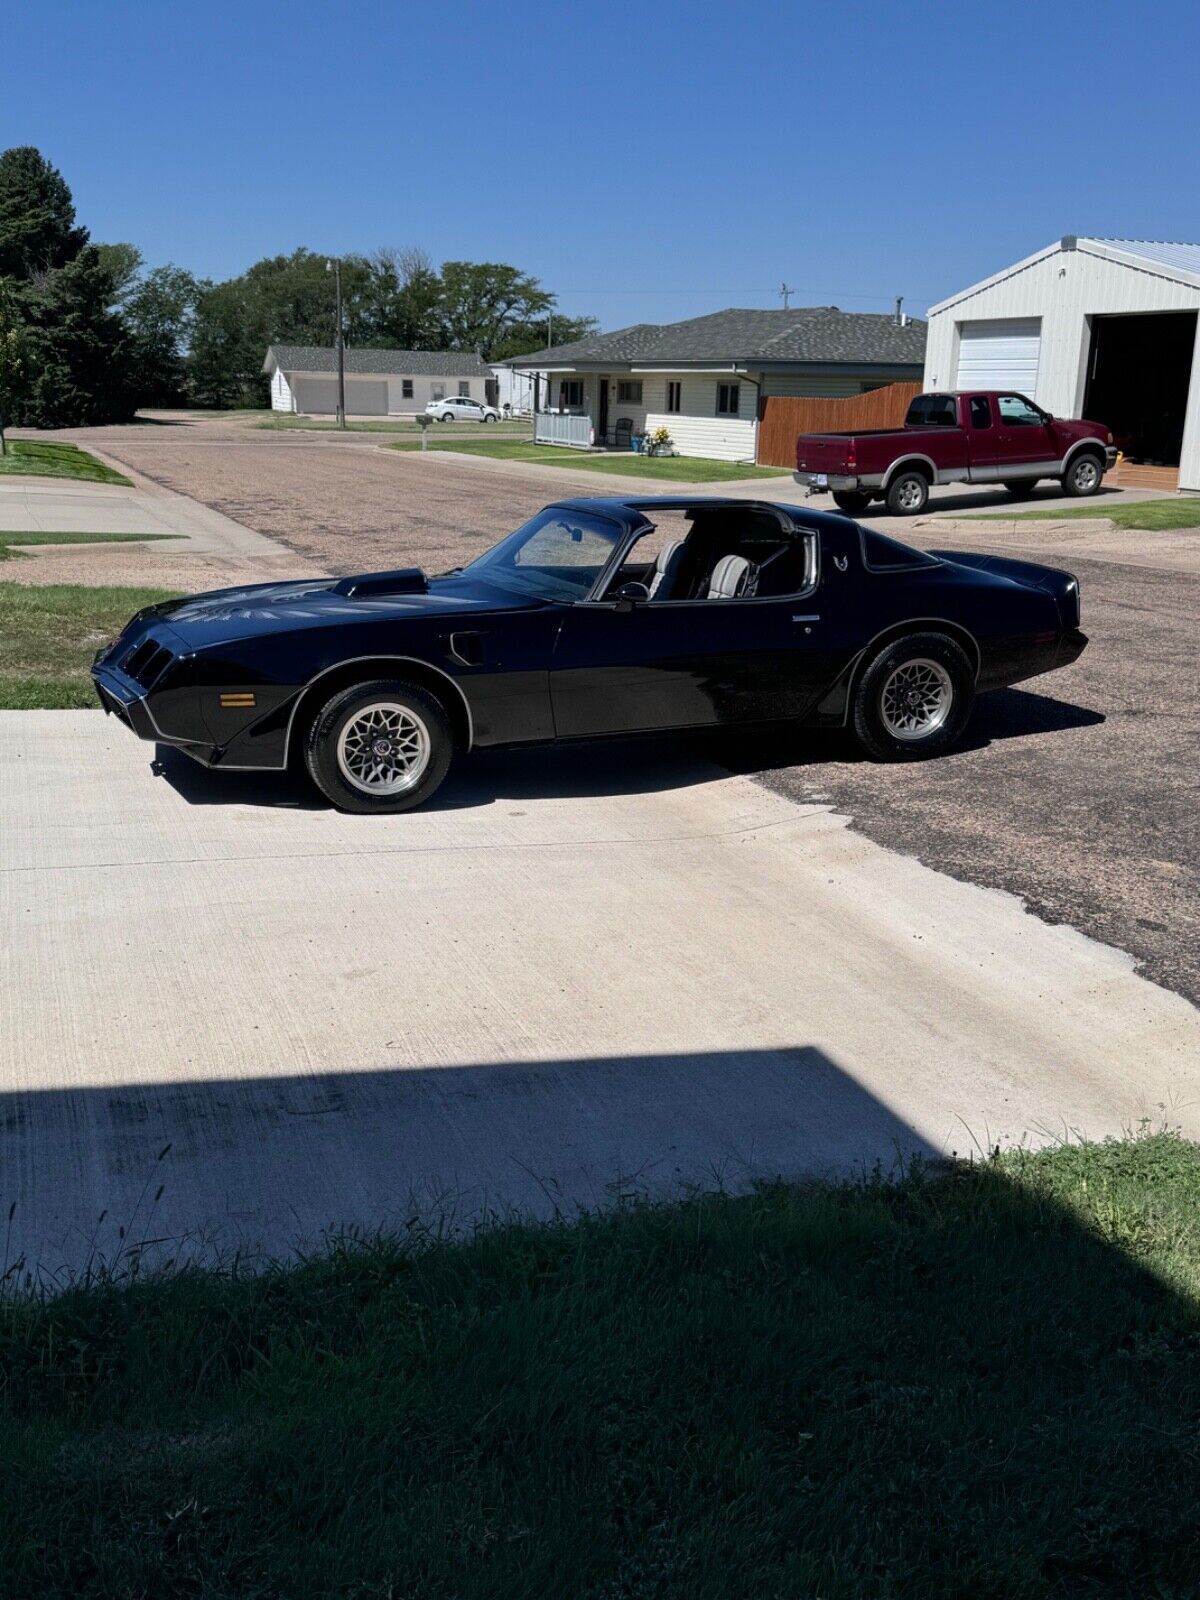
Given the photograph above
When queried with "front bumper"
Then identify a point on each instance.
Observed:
(1110, 457)
(120, 697)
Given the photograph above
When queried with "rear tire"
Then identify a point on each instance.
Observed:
(851, 501)
(1083, 476)
(908, 494)
(379, 747)
(914, 698)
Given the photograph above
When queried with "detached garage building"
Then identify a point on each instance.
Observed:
(1098, 328)
(379, 383)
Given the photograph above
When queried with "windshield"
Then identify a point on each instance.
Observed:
(557, 555)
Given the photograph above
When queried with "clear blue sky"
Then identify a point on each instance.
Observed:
(647, 161)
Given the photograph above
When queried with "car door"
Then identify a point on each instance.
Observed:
(685, 664)
(1025, 444)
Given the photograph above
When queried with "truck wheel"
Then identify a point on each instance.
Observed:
(908, 494)
(851, 501)
(1083, 476)
(1020, 491)
(914, 698)
(379, 747)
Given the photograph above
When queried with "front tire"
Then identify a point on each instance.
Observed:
(852, 501)
(914, 698)
(447, 416)
(379, 747)
(1083, 476)
(908, 494)
(488, 417)
(1020, 491)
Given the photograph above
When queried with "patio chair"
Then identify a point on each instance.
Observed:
(621, 436)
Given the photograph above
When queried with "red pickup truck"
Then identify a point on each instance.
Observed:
(975, 436)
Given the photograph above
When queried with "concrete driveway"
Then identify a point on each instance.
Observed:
(234, 1019)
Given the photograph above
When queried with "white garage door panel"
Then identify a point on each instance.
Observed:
(1000, 355)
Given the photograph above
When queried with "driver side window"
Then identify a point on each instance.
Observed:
(1017, 412)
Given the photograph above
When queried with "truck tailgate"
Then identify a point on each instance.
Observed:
(823, 452)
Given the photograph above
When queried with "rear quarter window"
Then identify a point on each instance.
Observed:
(881, 554)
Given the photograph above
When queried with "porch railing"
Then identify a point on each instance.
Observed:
(552, 427)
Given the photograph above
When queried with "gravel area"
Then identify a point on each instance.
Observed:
(1078, 792)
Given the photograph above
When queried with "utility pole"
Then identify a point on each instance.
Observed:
(787, 293)
(335, 267)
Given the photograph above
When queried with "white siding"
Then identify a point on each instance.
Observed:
(281, 394)
(315, 393)
(1066, 288)
(697, 430)
(423, 388)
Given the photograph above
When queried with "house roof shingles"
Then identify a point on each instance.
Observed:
(431, 363)
(803, 334)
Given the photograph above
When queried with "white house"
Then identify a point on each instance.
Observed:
(1098, 328)
(703, 379)
(379, 383)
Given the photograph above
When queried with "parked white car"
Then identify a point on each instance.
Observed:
(458, 408)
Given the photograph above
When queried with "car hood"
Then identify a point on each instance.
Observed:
(222, 615)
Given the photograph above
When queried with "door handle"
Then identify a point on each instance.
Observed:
(813, 618)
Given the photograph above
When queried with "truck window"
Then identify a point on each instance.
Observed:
(932, 411)
(981, 411)
(1017, 412)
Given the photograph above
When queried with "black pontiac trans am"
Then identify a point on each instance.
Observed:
(604, 616)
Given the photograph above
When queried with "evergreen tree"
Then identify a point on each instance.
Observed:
(61, 294)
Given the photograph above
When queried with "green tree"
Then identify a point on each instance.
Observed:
(123, 263)
(482, 300)
(37, 215)
(60, 293)
(160, 314)
(14, 363)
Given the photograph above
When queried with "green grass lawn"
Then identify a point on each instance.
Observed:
(985, 1386)
(680, 469)
(279, 419)
(32, 458)
(9, 541)
(49, 634)
(1150, 515)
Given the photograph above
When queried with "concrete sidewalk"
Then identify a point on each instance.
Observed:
(207, 549)
(582, 973)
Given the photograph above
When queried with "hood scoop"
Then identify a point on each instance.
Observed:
(405, 580)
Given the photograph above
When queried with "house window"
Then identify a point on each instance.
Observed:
(437, 391)
(727, 399)
(406, 388)
(570, 392)
(675, 397)
(629, 391)
(464, 391)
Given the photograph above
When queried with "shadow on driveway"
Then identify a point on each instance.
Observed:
(642, 765)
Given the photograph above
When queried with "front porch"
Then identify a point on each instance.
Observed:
(579, 411)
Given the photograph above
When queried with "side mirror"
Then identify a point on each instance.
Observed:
(630, 595)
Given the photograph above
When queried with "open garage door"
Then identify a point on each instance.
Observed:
(1139, 374)
(1000, 355)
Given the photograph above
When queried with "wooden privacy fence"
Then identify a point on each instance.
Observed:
(784, 416)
